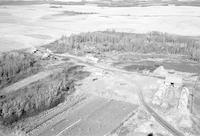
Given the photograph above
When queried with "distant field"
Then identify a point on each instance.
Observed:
(147, 3)
(34, 25)
(125, 3)
(29, 2)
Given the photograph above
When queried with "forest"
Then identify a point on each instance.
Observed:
(105, 41)
(40, 95)
(16, 65)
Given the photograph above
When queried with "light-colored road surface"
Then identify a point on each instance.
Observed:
(97, 117)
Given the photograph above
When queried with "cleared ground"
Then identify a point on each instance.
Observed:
(97, 117)
(33, 25)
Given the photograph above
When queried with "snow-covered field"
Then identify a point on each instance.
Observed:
(33, 25)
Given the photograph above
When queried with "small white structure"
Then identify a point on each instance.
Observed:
(183, 110)
(91, 59)
(168, 91)
(145, 72)
(32, 50)
(160, 71)
(183, 101)
(159, 95)
(41, 52)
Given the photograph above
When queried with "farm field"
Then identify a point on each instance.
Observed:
(34, 25)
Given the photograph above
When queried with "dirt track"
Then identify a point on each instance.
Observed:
(27, 81)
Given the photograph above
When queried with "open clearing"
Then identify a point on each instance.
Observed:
(33, 25)
(97, 117)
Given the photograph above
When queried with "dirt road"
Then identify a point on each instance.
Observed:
(162, 122)
(27, 81)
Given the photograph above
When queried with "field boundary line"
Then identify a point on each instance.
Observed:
(70, 126)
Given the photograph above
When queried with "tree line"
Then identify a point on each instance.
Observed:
(40, 95)
(15, 65)
(153, 42)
